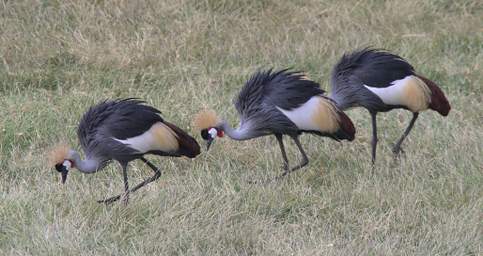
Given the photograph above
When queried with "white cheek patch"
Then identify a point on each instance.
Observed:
(213, 132)
(67, 164)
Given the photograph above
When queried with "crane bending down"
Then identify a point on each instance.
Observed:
(381, 81)
(123, 130)
(280, 103)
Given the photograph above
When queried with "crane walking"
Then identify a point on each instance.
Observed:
(280, 103)
(380, 81)
(123, 130)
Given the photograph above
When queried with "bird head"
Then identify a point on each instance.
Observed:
(209, 125)
(60, 158)
(210, 134)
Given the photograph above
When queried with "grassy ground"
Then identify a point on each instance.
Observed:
(59, 57)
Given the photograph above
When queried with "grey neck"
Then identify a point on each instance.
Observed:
(241, 133)
(88, 165)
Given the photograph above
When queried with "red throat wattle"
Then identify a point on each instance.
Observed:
(220, 133)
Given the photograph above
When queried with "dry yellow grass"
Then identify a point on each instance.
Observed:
(59, 57)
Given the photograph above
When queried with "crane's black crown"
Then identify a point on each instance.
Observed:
(204, 134)
(60, 167)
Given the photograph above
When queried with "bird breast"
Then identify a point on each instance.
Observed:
(410, 92)
(158, 137)
(317, 114)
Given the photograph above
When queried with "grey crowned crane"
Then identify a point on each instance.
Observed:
(123, 130)
(380, 81)
(280, 103)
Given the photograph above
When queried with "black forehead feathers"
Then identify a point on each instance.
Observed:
(204, 134)
(60, 167)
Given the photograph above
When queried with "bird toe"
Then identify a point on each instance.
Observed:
(397, 151)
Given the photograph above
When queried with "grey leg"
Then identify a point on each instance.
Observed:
(157, 174)
(374, 136)
(397, 148)
(305, 159)
(125, 198)
(284, 154)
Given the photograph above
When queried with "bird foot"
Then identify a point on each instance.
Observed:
(397, 150)
(253, 182)
(125, 198)
(285, 167)
(109, 200)
(285, 170)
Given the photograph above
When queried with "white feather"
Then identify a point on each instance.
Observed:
(142, 143)
(213, 133)
(302, 116)
(158, 137)
(67, 164)
(393, 94)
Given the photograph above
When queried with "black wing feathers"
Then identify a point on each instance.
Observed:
(285, 89)
(131, 118)
(121, 119)
(371, 67)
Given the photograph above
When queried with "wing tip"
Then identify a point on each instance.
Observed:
(439, 102)
(188, 146)
(347, 130)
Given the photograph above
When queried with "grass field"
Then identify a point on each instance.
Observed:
(59, 57)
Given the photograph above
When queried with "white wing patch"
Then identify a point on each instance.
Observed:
(410, 92)
(158, 137)
(317, 114)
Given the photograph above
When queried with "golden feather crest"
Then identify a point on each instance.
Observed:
(205, 119)
(58, 154)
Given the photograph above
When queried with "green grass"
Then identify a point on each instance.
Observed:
(59, 57)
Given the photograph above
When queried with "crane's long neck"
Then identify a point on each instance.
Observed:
(88, 165)
(241, 133)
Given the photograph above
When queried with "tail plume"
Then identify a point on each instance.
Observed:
(439, 102)
(187, 144)
(347, 130)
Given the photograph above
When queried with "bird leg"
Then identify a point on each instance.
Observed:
(304, 162)
(285, 166)
(284, 154)
(397, 148)
(374, 137)
(125, 198)
(305, 159)
(157, 174)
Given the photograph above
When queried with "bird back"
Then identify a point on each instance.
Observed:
(371, 67)
(360, 75)
(284, 89)
(120, 119)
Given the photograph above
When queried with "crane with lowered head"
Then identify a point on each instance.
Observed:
(279, 103)
(123, 130)
(380, 81)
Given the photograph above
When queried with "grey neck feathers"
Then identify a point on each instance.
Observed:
(340, 100)
(241, 133)
(88, 165)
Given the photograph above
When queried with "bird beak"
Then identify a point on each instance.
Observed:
(63, 174)
(63, 169)
(208, 144)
